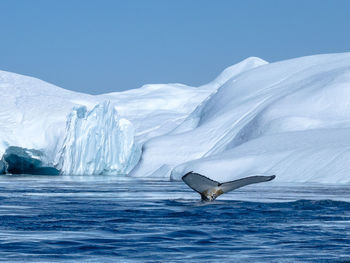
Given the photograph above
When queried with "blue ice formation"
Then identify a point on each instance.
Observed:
(98, 142)
(17, 160)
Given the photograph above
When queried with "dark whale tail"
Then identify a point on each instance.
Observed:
(210, 189)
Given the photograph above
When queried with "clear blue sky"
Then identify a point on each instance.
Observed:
(103, 46)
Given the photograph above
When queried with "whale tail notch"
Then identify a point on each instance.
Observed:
(210, 189)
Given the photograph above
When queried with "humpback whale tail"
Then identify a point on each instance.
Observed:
(210, 189)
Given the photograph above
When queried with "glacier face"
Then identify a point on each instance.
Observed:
(97, 142)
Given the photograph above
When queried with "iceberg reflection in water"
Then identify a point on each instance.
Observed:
(109, 219)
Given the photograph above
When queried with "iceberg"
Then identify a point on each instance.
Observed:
(97, 142)
(289, 118)
(34, 116)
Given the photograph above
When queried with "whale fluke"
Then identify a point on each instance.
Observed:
(210, 189)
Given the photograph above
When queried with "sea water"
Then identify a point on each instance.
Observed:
(121, 219)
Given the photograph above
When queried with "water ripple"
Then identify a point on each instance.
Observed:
(128, 220)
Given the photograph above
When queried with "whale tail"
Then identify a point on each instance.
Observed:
(210, 189)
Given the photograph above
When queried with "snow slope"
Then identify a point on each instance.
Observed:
(290, 118)
(63, 124)
(157, 109)
(33, 112)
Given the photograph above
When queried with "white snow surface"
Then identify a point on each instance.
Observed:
(103, 134)
(290, 118)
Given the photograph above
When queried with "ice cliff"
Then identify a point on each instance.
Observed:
(98, 142)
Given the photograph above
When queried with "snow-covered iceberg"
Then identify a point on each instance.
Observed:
(62, 124)
(290, 118)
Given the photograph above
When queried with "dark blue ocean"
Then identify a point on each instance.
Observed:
(109, 219)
